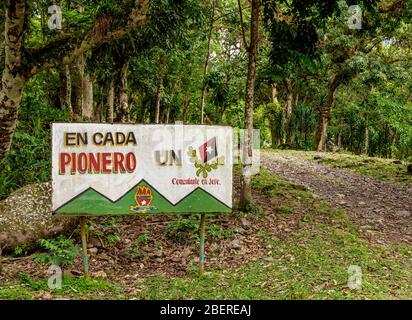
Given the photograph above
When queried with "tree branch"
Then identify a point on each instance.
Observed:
(13, 35)
(66, 49)
(241, 25)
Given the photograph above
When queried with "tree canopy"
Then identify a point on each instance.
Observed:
(319, 84)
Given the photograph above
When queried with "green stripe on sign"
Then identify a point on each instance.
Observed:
(93, 203)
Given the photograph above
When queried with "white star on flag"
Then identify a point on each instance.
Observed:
(208, 150)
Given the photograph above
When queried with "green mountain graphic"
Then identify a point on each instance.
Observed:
(93, 203)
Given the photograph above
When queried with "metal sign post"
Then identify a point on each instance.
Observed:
(84, 245)
(202, 243)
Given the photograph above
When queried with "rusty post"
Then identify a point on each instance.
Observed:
(84, 245)
(202, 244)
(1, 259)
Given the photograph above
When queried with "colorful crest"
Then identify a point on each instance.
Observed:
(209, 159)
(143, 198)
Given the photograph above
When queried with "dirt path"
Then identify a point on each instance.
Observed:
(384, 208)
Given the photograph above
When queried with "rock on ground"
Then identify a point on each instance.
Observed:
(26, 217)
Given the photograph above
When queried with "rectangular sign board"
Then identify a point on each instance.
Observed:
(124, 169)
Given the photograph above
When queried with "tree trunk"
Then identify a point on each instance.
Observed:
(10, 98)
(288, 111)
(323, 132)
(12, 80)
(206, 67)
(272, 116)
(110, 101)
(159, 89)
(87, 104)
(325, 110)
(366, 147)
(167, 115)
(78, 73)
(393, 143)
(340, 129)
(274, 93)
(246, 191)
(297, 96)
(186, 101)
(68, 94)
(97, 115)
(124, 114)
(1, 259)
(2, 45)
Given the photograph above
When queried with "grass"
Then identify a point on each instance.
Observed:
(301, 268)
(306, 266)
(280, 196)
(378, 168)
(76, 288)
(309, 264)
(310, 261)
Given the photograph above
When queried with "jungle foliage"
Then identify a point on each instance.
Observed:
(319, 83)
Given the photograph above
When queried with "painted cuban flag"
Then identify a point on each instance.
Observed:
(208, 150)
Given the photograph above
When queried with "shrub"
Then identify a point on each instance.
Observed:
(182, 229)
(60, 251)
(143, 238)
(113, 239)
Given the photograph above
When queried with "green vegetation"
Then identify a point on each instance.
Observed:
(29, 159)
(113, 239)
(313, 72)
(318, 264)
(109, 221)
(143, 238)
(279, 200)
(60, 251)
(316, 256)
(135, 251)
(183, 229)
(300, 73)
(23, 250)
(76, 288)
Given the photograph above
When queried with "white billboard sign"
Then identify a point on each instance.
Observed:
(107, 169)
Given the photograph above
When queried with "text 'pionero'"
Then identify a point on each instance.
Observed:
(97, 162)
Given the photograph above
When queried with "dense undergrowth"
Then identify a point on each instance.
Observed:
(309, 250)
(29, 159)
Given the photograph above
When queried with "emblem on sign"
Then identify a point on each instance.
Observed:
(133, 169)
(143, 198)
(208, 153)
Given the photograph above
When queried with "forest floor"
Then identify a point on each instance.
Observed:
(293, 245)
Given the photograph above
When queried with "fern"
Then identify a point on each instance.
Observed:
(60, 251)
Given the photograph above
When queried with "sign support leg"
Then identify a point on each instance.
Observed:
(1, 260)
(84, 245)
(202, 244)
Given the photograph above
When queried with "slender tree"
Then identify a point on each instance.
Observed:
(246, 190)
